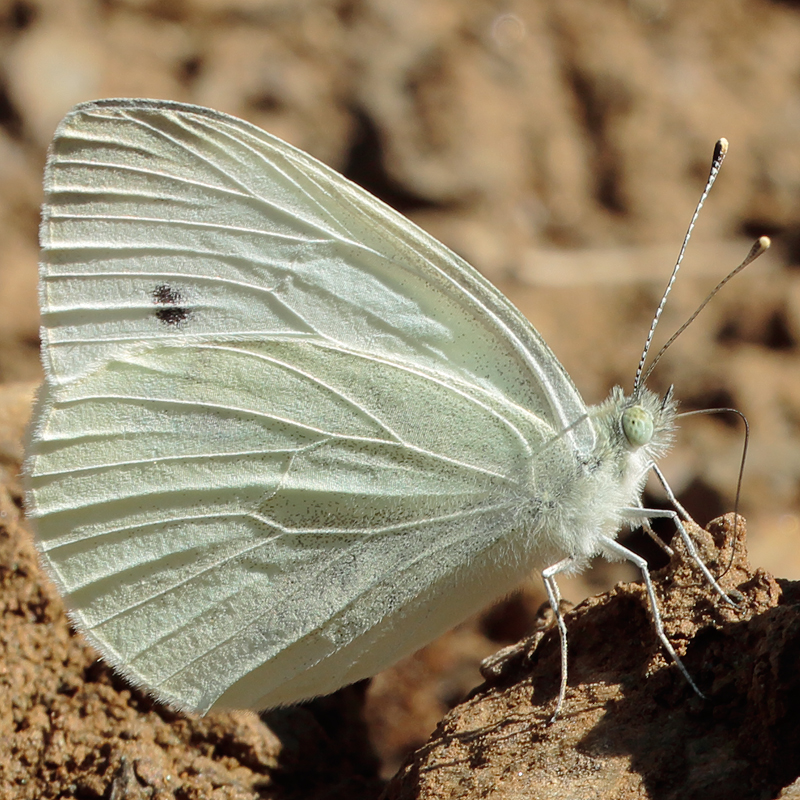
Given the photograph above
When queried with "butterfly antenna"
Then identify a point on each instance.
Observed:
(720, 151)
(759, 248)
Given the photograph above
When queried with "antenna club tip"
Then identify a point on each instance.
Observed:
(758, 249)
(720, 150)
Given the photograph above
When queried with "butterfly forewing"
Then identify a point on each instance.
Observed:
(166, 221)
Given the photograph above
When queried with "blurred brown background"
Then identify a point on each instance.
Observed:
(558, 145)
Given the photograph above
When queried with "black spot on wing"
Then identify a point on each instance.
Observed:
(170, 308)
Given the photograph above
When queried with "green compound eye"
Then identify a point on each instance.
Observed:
(637, 424)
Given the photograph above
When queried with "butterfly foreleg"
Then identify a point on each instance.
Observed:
(666, 513)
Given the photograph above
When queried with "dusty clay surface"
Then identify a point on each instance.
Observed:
(560, 147)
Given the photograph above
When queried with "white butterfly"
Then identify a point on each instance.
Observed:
(286, 437)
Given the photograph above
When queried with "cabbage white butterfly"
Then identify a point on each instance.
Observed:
(285, 436)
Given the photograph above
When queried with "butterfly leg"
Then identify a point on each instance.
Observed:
(614, 549)
(668, 551)
(662, 479)
(554, 596)
(657, 513)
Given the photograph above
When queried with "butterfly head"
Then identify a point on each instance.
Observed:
(641, 424)
(647, 421)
